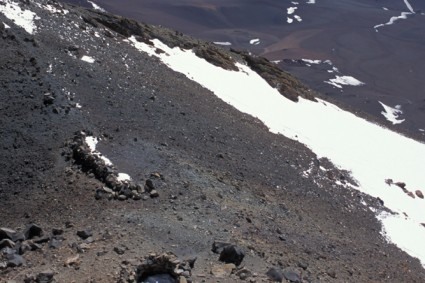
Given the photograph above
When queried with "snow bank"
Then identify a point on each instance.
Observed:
(392, 114)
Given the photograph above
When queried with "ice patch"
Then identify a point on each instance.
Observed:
(88, 59)
(254, 41)
(225, 43)
(370, 152)
(392, 114)
(23, 18)
(339, 81)
(298, 18)
(289, 20)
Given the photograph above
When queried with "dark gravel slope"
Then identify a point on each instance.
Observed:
(219, 174)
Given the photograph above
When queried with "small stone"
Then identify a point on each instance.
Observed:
(400, 184)
(54, 243)
(84, 234)
(41, 240)
(303, 265)
(292, 276)
(244, 274)
(149, 186)
(119, 250)
(419, 194)
(74, 260)
(57, 232)
(410, 194)
(232, 254)
(182, 279)
(122, 197)
(45, 276)
(154, 194)
(33, 230)
(275, 274)
(331, 273)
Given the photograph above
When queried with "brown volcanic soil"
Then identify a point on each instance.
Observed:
(222, 175)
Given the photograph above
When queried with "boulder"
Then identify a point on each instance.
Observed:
(232, 254)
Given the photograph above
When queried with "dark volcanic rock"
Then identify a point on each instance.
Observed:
(218, 246)
(292, 276)
(275, 274)
(6, 243)
(232, 254)
(14, 260)
(45, 276)
(419, 194)
(84, 234)
(33, 230)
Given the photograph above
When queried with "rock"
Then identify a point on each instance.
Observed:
(33, 230)
(410, 194)
(218, 246)
(84, 234)
(232, 254)
(45, 276)
(74, 260)
(191, 261)
(57, 232)
(275, 274)
(6, 233)
(400, 184)
(303, 265)
(149, 186)
(119, 250)
(331, 273)
(14, 260)
(244, 273)
(6, 243)
(292, 276)
(419, 194)
(48, 99)
(154, 194)
(182, 279)
(54, 243)
(122, 197)
(221, 271)
(41, 240)
(166, 267)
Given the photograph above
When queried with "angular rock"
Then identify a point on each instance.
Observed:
(149, 186)
(14, 260)
(45, 276)
(275, 274)
(84, 234)
(218, 246)
(154, 194)
(292, 276)
(232, 254)
(119, 250)
(32, 230)
(6, 243)
(6, 233)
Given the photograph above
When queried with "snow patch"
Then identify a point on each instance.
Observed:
(339, 81)
(225, 43)
(392, 20)
(312, 61)
(254, 41)
(23, 18)
(289, 20)
(88, 59)
(291, 10)
(409, 7)
(123, 177)
(96, 7)
(298, 18)
(311, 2)
(392, 114)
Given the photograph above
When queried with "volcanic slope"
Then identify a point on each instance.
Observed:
(76, 95)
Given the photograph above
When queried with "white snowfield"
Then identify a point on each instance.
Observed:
(23, 18)
(392, 114)
(371, 152)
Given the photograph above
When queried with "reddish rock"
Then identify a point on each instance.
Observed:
(419, 194)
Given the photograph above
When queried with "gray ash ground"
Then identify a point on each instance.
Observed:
(219, 174)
